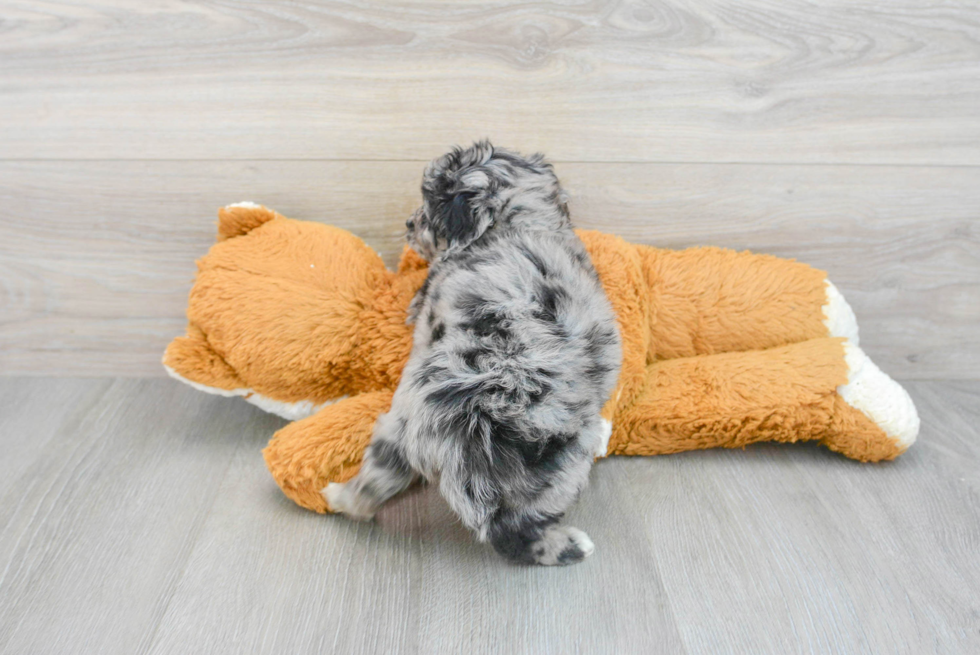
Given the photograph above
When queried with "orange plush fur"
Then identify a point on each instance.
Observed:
(721, 348)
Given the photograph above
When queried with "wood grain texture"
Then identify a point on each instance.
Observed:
(857, 558)
(413, 582)
(732, 81)
(27, 425)
(103, 500)
(97, 257)
(146, 522)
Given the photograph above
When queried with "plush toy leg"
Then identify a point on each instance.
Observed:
(327, 447)
(868, 389)
(819, 389)
(879, 398)
(711, 300)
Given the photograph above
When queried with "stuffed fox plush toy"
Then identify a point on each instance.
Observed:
(720, 348)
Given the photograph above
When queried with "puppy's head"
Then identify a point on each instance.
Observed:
(469, 192)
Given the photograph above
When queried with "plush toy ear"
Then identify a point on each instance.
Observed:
(465, 219)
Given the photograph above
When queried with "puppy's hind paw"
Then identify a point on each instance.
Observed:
(561, 546)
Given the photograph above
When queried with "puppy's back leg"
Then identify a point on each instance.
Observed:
(384, 473)
(539, 540)
(525, 526)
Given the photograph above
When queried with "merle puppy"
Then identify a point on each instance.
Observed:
(516, 349)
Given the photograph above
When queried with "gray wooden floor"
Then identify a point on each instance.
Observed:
(138, 517)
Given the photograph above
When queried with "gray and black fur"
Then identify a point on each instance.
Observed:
(516, 349)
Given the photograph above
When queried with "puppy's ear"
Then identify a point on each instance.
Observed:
(466, 216)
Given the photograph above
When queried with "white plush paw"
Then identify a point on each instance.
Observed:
(331, 493)
(339, 502)
(248, 204)
(879, 397)
(838, 315)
